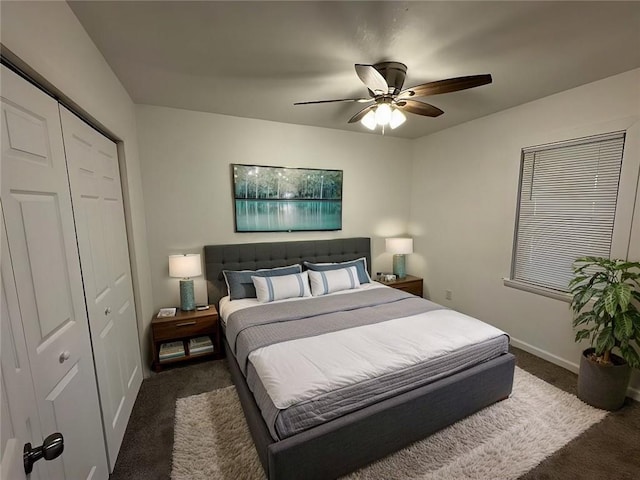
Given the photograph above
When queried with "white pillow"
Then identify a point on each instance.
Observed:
(360, 264)
(331, 281)
(269, 289)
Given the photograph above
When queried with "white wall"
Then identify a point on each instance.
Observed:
(49, 38)
(464, 191)
(186, 159)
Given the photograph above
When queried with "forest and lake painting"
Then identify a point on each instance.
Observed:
(277, 199)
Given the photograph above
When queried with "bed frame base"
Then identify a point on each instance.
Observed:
(355, 440)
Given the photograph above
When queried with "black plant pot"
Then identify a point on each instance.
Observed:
(603, 386)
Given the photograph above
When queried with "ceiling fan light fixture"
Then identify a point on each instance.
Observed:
(384, 82)
(369, 120)
(383, 114)
(397, 118)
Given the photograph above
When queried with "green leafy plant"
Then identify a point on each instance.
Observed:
(612, 320)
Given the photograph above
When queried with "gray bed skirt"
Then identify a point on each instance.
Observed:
(359, 438)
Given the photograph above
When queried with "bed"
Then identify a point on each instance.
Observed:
(342, 443)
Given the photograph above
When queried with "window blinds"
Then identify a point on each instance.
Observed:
(567, 205)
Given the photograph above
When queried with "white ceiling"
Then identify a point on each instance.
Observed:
(255, 59)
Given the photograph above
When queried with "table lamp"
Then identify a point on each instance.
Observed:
(184, 267)
(399, 247)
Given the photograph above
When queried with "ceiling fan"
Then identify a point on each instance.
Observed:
(384, 81)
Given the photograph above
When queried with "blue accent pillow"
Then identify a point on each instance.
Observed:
(360, 264)
(240, 285)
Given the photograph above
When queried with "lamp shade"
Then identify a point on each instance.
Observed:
(185, 266)
(383, 114)
(369, 120)
(399, 246)
(397, 118)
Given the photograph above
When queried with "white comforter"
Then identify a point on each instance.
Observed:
(298, 370)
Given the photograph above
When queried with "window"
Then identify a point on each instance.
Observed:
(566, 207)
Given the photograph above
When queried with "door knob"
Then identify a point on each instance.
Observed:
(52, 447)
(64, 356)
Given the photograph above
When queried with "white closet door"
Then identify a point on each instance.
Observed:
(44, 262)
(19, 414)
(96, 193)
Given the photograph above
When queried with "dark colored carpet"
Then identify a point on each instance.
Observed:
(609, 449)
(148, 442)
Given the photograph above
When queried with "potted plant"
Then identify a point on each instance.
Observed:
(605, 298)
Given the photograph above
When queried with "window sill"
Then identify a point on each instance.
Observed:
(545, 292)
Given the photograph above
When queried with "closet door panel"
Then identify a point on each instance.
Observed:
(47, 259)
(45, 267)
(102, 240)
(19, 414)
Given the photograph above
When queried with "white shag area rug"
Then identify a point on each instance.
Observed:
(503, 441)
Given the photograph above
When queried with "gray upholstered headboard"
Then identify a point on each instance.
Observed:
(251, 256)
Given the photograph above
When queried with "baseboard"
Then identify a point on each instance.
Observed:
(561, 362)
(550, 357)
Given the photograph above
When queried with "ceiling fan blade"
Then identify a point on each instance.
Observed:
(358, 116)
(446, 86)
(419, 108)
(372, 79)
(360, 100)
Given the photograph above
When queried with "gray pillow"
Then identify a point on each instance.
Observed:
(360, 264)
(240, 285)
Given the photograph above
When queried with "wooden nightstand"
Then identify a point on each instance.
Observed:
(409, 284)
(184, 326)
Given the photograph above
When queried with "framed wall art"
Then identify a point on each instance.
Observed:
(283, 199)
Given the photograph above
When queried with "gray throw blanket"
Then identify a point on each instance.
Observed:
(257, 327)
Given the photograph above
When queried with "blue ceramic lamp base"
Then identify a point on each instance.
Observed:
(187, 297)
(399, 269)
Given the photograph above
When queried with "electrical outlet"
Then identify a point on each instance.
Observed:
(448, 294)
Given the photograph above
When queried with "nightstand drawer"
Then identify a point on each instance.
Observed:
(183, 327)
(409, 284)
(413, 288)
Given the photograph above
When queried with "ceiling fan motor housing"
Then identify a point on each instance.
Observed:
(394, 73)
